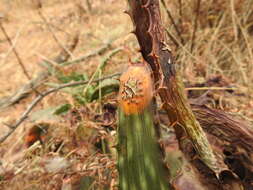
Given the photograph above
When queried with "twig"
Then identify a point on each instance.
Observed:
(52, 32)
(237, 61)
(18, 57)
(58, 28)
(211, 88)
(14, 41)
(233, 14)
(180, 14)
(195, 25)
(172, 38)
(15, 51)
(25, 115)
(8, 125)
(88, 55)
(89, 5)
(182, 46)
(101, 66)
(172, 21)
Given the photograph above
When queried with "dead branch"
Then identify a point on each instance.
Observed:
(42, 95)
(89, 5)
(173, 21)
(195, 25)
(180, 13)
(231, 138)
(151, 37)
(52, 32)
(23, 91)
(93, 53)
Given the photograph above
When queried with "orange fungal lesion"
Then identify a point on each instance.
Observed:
(136, 89)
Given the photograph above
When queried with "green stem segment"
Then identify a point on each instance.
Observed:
(140, 162)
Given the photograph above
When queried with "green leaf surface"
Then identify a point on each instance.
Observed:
(106, 87)
(62, 109)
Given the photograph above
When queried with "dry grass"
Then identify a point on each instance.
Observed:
(223, 46)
